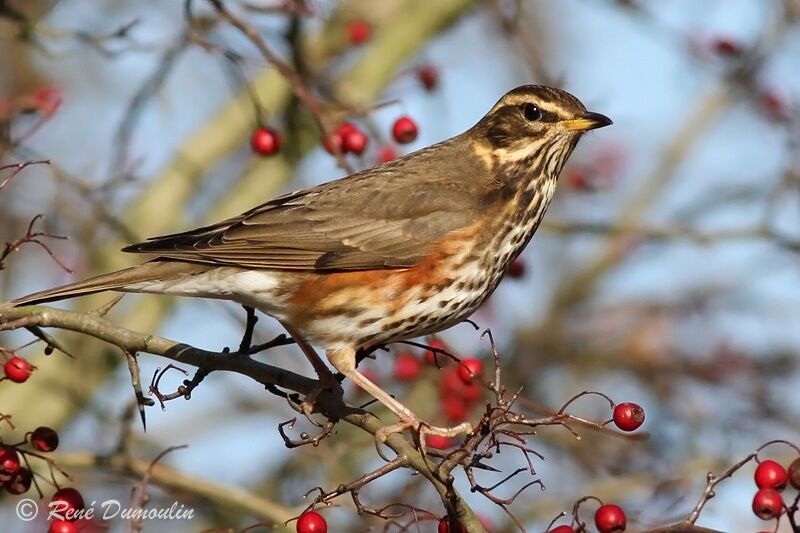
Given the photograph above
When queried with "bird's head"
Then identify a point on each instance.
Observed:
(534, 124)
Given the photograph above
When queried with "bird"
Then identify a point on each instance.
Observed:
(402, 250)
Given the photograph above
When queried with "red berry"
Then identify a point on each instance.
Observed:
(18, 369)
(9, 463)
(444, 527)
(450, 383)
(775, 104)
(354, 141)
(47, 100)
(439, 442)
(358, 32)
(562, 529)
(333, 142)
(21, 482)
(311, 522)
(726, 46)
(62, 526)
(431, 357)
(386, 154)
(516, 269)
(44, 439)
(407, 367)
(610, 518)
(472, 392)
(265, 141)
(771, 475)
(579, 179)
(454, 408)
(66, 503)
(767, 504)
(404, 130)
(469, 369)
(628, 416)
(428, 76)
(794, 473)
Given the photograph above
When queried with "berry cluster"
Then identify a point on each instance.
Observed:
(460, 386)
(14, 477)
(346, 138)
(771, 479)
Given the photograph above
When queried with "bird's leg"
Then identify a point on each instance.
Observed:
(326, 378)
(344, 360)
(250, 325)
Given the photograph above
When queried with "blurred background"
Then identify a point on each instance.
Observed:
(665, 273)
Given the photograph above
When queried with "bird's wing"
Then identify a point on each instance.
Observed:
(387, 217)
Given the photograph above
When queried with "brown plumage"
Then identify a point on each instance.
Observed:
(401, 250)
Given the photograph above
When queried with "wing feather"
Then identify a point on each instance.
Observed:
(386, 217)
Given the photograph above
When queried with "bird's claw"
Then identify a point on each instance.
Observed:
(423, 430)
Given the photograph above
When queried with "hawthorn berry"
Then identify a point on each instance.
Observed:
(18, 369)
(66, 502)
(454, 408)
(62, 526)
(20, 482)
(439, 442)
(386, 154)
(311, 522)
(516, 269)
(774, 104)
(794, 473)
(431, 356)
(44, 439)
(444, 527)
(628, 416)
(358, 31)
(727, 46)
(771, 475)
(9, 463)
(610, 518)
(47, 100)
(354, 140)
(579, 179)
(767, 504)
(404, 130)
(265, 141)
(334, 142)
(450, 384)
(471, 392)
(469, 369)
(562, 529)
(428, 76)
(407, 367)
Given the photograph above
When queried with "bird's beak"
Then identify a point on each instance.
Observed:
(588, 121)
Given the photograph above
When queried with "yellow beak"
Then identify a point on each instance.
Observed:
(589, 121)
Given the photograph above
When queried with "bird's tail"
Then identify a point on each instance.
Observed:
(121, 280)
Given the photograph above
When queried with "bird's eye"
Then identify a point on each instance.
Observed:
(531, 111)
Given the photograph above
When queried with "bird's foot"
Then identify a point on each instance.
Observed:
(326, 382)
(422, 429)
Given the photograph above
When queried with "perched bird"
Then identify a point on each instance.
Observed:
(404, 249)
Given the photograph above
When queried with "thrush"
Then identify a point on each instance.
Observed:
(402, 250)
